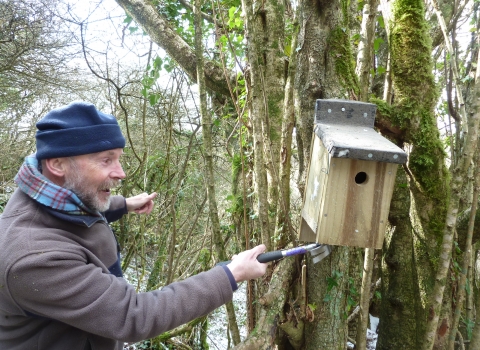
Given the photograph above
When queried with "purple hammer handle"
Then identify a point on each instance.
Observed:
(294, 251)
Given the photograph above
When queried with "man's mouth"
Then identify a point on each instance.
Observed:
(109, 185)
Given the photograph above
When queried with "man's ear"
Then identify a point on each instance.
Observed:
(54, 169)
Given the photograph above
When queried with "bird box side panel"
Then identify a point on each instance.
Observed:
(316, 180)
(382, 202)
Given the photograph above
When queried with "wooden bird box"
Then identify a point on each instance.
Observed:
(350, 177)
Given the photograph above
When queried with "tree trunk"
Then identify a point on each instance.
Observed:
(475, 341)
(327, 299)
(364, 303)
(272, 14)
(364, 65)
(401, 311)
(364, 55)
(412, 72)
(208, 152)
(284, 227)
(273, 302)
(324, 70)
(258, 96)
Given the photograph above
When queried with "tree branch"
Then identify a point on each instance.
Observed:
(160, 31)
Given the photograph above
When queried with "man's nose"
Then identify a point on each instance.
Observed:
(117, 172)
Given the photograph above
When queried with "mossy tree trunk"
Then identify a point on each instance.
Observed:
(265, 55)
(412, 245)
(411, 73)
(401, 310)
(324, 70)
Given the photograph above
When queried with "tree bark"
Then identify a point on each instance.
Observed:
(364, 65)
(284, 227)
(475, 341)
(324, 70)
(258, 109)
(327, 297)
(316, 76)
(401, 312)
(272, 15)
(361, 340)
(364, 53)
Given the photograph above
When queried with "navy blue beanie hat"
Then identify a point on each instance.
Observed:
(75, 129)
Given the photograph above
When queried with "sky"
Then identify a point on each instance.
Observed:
(106, 34)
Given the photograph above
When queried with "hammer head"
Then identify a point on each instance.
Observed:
(320, 252)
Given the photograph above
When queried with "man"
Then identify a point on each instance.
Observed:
(61, 284)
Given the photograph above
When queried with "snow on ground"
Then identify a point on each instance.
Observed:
(217, 337)
(371, 335)
(217, 327)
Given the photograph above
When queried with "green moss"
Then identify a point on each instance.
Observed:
(413, 111)
(341, 52)
(340, 49)
(275, 113)
(411, 51)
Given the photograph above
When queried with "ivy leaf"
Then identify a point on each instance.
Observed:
(381, 22)
(128, 19)
(376, 43)
(157, 63)
(381, 70)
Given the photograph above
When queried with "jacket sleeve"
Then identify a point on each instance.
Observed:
(60, 285)
(118, 208)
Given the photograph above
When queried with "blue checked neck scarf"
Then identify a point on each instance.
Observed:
(39, 188)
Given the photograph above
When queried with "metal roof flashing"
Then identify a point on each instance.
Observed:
(346, 130)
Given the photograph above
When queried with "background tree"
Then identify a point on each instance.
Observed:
(34, 77)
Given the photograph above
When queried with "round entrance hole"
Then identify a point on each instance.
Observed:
(361, 178)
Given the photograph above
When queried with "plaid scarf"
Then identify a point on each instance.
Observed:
(39, 188)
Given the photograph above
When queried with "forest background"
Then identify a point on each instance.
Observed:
(216, 99)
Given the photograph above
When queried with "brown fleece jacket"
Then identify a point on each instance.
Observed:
(57, 292)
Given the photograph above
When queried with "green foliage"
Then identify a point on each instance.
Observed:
(376, 43)
(204, 258)
(235, 20)
(352, 297)
(332, 282)
(150, 78)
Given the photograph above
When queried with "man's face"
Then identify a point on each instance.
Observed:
(91, 176)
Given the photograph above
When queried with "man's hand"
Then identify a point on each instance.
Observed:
(245, 265)
(141, 204)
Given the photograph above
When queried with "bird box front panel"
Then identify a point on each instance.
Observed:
(356, 203)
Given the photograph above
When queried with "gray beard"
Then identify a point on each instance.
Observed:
(87, 195)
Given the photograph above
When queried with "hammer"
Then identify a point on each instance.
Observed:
(318, 252)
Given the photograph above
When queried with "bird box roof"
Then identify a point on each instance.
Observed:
(346, 130)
